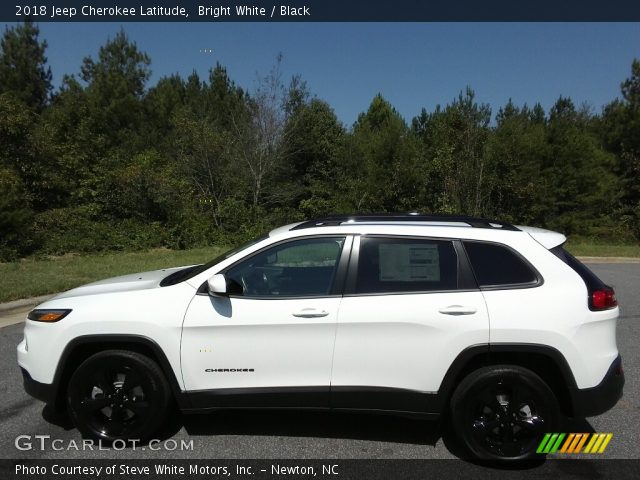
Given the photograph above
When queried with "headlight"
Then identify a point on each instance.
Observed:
(48, 315)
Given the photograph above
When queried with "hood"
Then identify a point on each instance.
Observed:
(124, 283)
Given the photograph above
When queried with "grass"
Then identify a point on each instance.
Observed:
(585, 248)
(32, 277)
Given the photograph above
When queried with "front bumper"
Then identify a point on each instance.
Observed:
(42, 391)
(588, 402)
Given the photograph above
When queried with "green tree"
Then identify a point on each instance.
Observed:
(620, 130)
(16, 124)
(15, 216)
(313, 168)
(224, 101)
(579, 181)
(25, 84)
(96, 124)
(455, 138)
(378, 161)
(207, 161)
(515, 151)
(160, 103)
(115, 85)
(19, 176)
(69, 148)
(23, 66)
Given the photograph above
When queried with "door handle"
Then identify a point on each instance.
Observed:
(458, 310)
(311, 313)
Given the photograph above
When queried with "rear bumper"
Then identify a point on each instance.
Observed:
(42, 391)
(588, 402)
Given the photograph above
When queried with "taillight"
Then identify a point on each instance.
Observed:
(603, 299)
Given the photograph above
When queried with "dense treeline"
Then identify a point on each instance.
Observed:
(109, 162)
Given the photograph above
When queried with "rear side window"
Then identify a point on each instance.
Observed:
(496, 266)
(388, 265)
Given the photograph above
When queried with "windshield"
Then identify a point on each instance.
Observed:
(190, 272)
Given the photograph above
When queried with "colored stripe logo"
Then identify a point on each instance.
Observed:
(574, 443)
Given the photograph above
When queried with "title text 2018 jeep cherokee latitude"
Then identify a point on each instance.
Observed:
(494, 324)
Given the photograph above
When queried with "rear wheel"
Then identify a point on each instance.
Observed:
(502, 412)
(118, 394)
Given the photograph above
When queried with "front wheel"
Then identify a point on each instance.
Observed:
(502, 412)
(118, 395)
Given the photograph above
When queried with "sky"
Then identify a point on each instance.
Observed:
(413, 65)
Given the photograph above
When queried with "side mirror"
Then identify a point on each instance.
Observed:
(217, 285)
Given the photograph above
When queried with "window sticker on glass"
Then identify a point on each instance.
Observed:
(409, 263)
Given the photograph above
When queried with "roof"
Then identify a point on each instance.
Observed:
(406, 218)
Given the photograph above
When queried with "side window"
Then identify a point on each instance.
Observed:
(387, 265)
(496, 265)
(298, 268)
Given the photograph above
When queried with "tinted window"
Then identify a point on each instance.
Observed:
(298, 268)
(495, 265)
(406, 265)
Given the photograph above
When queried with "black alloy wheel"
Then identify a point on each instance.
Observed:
(118, 394)
(503, 412)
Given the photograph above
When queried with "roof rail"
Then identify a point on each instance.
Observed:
(335, 220)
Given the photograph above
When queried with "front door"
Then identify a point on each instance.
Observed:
(271, 343)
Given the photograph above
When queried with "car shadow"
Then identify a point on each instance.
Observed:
(332, 425)
(360, 426)
(355, 426)
(56, 417)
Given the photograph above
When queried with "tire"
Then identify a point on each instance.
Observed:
(502, 412)
(118, 395)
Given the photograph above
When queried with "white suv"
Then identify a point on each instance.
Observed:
(495, 325)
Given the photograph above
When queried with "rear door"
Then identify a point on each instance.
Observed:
(408, 311)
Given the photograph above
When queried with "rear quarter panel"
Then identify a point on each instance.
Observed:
(555, 314)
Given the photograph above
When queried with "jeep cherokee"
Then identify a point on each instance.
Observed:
(492, 325)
